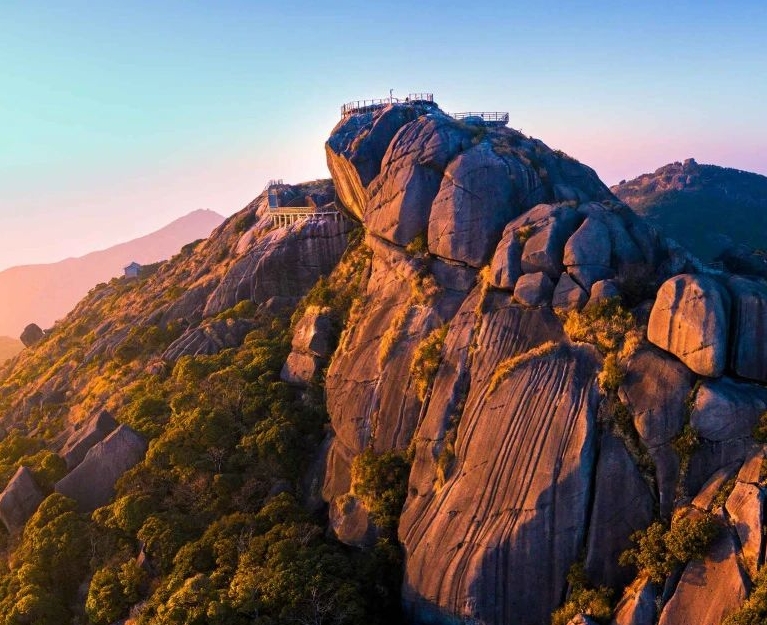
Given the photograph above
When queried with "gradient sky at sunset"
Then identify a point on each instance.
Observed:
(119, 117)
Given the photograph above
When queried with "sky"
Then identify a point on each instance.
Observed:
(119, 117)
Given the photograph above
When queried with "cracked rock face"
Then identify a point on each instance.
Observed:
(690, 319)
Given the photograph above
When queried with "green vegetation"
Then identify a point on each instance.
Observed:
(754, 610)
(380, 482)
(418, 246)
(583, 599)
(606, 325)
(760, 429)
(426, 360)
(660, 550)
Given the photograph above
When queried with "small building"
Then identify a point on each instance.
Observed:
(132, 270)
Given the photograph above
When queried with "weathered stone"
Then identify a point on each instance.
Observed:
(725, 409)
(356, 148)
(81, 440)
(710, 456)
(463, 540)
(209, 338)
(637, 606)
(534, 289)
(314, 334)
(587, 275)
(704, 500)
(411, 174)
(745, 506)
(301, 368)
(690, 319)
(453, 276)
(623, 504)
(667, 473)
(505, 267)
(351, 523)
(582, 619)
(19, 500)
(568, 295)
(748, 350)
(310, 248)
(32, 334)
(710, 589)
(589, 245)
(91, 483)
(543, 251)
(602, 290)
(655, 389)
(473, 205)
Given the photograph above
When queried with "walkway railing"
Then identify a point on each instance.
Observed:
(489, 117)
(366, 106)
(287, 215)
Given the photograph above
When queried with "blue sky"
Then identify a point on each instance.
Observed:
(119, 117)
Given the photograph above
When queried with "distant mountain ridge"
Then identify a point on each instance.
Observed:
(706, 208)
(46, 292)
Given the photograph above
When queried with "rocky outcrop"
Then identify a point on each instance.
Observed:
(637, 606)
(313, 343)
(91, 483)
(311, 248)
(32, 334)
(19, 500)
(748, 351)
(209, 338)
(690, 319)
(534, 289)
(745, 507)
(531, 436)
(93, 431)
(710, 589)
(623, 504)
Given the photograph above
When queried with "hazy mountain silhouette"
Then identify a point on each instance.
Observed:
(46, 292)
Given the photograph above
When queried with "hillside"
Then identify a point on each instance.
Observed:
(704, 207)
(46, 292)
(490, 394)
(9, 347)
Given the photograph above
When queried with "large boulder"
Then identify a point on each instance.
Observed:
(725, 409)
(312, 345)
(505, 267)
(91, 484)
(473, 205)
(94, 430)
(710, 589)
(32, 334)
(748, 351)
(690, 319)
(544, 249)
(19, 500)
(588, 252)
(209, 338)
(402, 195)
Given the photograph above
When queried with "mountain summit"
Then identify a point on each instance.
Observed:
(705, 208)
(474, 388)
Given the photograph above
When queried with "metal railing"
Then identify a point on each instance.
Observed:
(489, 117)
(366, 106)
(277, 182)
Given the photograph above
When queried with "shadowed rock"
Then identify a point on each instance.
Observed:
(19, 500)
(91, 483)
(637, 606)
(568, 295)
(81, 440)
(505, 268)
(32, 334)
(690, 319)
(534, 289)
(311, 347)
(748, 351)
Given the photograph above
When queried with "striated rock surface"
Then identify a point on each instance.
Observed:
(19, 500)
(91, 483)
(311, 248)
(82, 439)
(209, 338)
(532, 438)
(690, 319)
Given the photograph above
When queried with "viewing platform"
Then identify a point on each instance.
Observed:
(489, 118)
(287, 215)
(367, 106)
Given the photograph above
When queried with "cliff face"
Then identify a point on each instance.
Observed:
(516, 448)
(519, 374)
